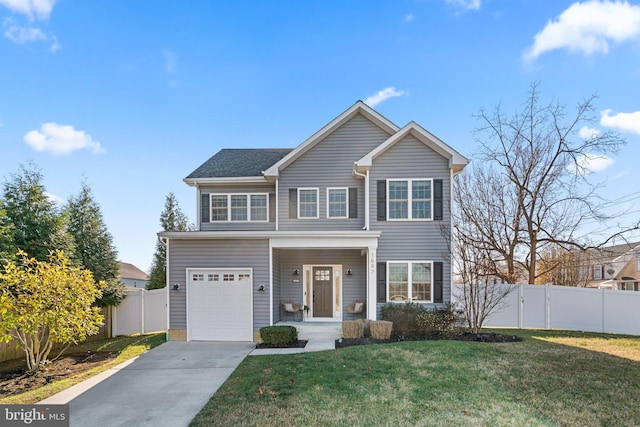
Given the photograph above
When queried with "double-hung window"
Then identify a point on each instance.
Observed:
(410, 281)
(307, 203)
(239, 207)
(337, 202)
(410, 199)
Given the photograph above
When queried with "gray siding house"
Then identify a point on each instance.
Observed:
(355, 212)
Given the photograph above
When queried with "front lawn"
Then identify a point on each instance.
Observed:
(550, 378)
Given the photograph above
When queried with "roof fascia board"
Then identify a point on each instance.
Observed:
(358, 107)
(198, 235)
(193, 182)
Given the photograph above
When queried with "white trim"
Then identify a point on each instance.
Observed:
(457, 161)
(409, 199)
(216, 269)
(277, 204)
(346, 195)
(337, 306)
(347, 235)
(230, 210)
(359, 107)
(410, 279)
(270, 284)
(317, 190)
(194, 182)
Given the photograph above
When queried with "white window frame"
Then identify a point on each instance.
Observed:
(317, 190)
(346, 202)
(409, 182)
(638, 262)
(597, 272)
(410, 280)
(229, 196)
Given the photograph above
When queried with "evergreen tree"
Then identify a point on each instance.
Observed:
(31, 218)
(7, 248)
(171, 219)
(94, 244)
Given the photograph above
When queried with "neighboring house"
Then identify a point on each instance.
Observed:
(132, 276)
(355, 212)
(614, 267)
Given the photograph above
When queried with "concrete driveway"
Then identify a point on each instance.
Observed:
(167, 386)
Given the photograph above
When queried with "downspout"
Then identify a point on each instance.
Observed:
(366, 195)
(165, 243)
(277, 199)
(199, 208)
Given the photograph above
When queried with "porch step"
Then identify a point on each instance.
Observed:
(317, 330)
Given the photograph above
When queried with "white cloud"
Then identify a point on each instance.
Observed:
(588, 133)
(383, 95)
(408, 17)
(588, 27)
(33, 9)
(170, 61)
(55, 199)
(629, 122)
(590, 163)
(61, 139)
(20, 35)
(465, 4)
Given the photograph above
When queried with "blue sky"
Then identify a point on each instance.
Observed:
(133, 96)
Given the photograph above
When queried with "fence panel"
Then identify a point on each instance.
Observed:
(127, 317)
(507, 314)
(534, 307)
(576, 309)
(621, 312)
(155, 310)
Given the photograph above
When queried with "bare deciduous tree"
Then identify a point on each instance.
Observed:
(533, 187)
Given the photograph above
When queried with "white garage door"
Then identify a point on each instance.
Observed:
(219, 304)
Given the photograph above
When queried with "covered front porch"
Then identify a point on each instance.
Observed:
(322, 275)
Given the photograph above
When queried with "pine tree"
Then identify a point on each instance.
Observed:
(94, 244)
(171, 219)
(31, 218)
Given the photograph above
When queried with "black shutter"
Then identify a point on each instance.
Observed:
(437, 200)
(272, 207)
(204, 207)
(382, 200)
(353, 203)
(438, 282)
(293, 203)
(382, 282)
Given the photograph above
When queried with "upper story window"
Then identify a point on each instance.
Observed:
(410, 281)
(598, 272)
(337, 203)
(307, 203)
(409, 199)
(638, 262)
(239, 207)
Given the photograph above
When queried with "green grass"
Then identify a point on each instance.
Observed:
(551, 378)
(128, 346)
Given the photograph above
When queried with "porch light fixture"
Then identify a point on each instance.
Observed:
(349, 272)
(296, 272)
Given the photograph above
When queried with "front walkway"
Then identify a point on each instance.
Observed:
(321, 335)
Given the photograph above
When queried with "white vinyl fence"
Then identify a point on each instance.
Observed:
(569, 308)
(141, 312)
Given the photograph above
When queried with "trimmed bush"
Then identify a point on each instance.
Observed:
(381, 329)
(278, 335)
(439, 323)
(404, 319)
(352, 329)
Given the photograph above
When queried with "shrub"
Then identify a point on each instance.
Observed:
(438, 323)
(278, 335)
(404, 319)
(381, 329)
(352, 329)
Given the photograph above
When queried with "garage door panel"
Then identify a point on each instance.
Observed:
(220, 305)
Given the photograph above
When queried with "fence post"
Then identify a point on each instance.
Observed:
(548, 306)
(521, 306)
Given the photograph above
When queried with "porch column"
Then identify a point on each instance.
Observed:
(372, 294)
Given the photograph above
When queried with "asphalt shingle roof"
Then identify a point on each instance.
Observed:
(232, 162)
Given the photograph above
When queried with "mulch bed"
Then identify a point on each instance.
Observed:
(295, 344)
(489, 337)
(15, 380)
